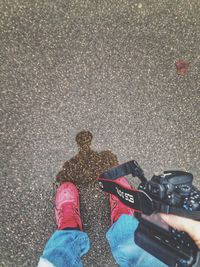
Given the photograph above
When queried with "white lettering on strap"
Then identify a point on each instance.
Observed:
(125, 196)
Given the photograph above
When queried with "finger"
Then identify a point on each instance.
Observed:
(184, 224)
(176, 222)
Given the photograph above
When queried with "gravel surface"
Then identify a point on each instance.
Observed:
(103, 66)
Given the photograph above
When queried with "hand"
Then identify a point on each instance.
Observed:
(191, 227)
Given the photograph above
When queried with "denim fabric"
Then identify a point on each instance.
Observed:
(126, 253)
(65, 247)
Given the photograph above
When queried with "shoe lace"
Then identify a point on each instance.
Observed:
(61, 212)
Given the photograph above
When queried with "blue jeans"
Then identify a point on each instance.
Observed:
(66, 247)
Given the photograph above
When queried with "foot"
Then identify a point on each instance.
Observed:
(116, 206)
(67, 210)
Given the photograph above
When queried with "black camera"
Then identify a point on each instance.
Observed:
(171, 192)
(174, 188)
(153, 234)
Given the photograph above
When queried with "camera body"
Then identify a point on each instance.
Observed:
(174, 188)
(171, 192)
(173, 247)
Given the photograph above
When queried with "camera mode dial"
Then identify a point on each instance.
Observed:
(184, 189)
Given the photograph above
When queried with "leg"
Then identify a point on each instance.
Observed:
(126, 253)
(121, 237)
(65, 249)
(69, 243)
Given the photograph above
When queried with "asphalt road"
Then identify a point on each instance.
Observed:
(103, 66)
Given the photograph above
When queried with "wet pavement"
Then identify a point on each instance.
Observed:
(103, 66)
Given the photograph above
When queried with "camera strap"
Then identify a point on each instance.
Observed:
(136, 199)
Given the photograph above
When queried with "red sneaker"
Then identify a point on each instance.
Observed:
(116, 206)
(67, 210)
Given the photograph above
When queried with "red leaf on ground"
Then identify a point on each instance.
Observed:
(182, 67)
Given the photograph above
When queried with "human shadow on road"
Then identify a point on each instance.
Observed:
(83, 170)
